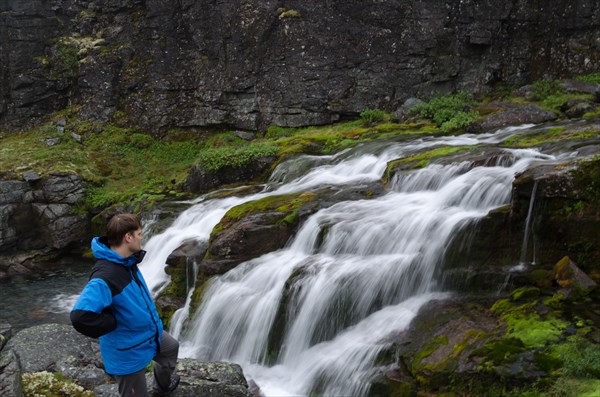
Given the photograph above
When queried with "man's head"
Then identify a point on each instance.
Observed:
(124, 231)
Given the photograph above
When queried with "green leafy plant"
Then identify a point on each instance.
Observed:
(217, 158)
(542, 89)
(372, 116)
(449, 112)
(590, 78)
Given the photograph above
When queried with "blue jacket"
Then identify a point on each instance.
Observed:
(117, 307)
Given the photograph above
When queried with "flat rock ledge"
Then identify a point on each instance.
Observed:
(59, 349)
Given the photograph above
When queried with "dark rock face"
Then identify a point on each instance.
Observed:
(38, 215)
(251, 63)
(564, 221)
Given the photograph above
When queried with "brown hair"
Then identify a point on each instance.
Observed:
(119, 225)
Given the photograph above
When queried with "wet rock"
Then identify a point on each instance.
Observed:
(201, 180)
(76, 137)
(516, 116)
(578, 110)
(10, 374)
(58, 348)
(31, 176)
(571, 278)
(188, 251)
(247, 136)
(52, 141)
(255, 228)
(40, 348)
(404, 111)
(211, 379)
(580, 86)
(252, 236)
(5, 333)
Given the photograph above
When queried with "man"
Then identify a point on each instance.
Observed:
(116, 306)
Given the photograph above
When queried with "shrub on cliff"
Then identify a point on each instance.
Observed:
(449, 112)
(372, 116)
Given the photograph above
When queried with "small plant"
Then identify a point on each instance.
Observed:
(543, 89)
(580, 358)
(372, 116)
(590, 78)
(217, 158)
(141, 141)
(449, 112)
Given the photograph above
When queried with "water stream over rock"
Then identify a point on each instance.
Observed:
(314, 315)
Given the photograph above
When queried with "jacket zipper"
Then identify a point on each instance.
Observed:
(145, 295)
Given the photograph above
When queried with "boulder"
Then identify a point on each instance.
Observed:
(201, 180)
(5, 333)
(515, 116)
(404, 111)
(579, 110)
(211, 379)
(49, 349)
(580, 86)
(255, 228)
(571, 278)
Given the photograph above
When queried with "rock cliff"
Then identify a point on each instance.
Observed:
(249, 64)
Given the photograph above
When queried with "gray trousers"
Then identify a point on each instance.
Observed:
(134, 385)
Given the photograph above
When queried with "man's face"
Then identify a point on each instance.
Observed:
(134, 240)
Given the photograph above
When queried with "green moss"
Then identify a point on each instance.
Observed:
(499, 351)
(540, 278)
(547, 362)
(590, 78)
(501, 306)
(288, 205)
(555, 301)
(588, 174)
(550, 135)
(422, 159)
(427, 350)
(525, 293)
(51, 384)
(532, 330)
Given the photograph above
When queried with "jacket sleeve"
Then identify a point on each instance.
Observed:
(91, 314)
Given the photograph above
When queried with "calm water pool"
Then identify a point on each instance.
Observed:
(44, 297)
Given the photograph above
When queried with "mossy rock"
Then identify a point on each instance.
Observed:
(420, 160)
(287, 205)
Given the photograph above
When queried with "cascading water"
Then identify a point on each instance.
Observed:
(528, 227)
(313, 316)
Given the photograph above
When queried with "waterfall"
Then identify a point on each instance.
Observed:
(528, 227)
(313, 316)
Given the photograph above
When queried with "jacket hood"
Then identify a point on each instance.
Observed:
(101, 250)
